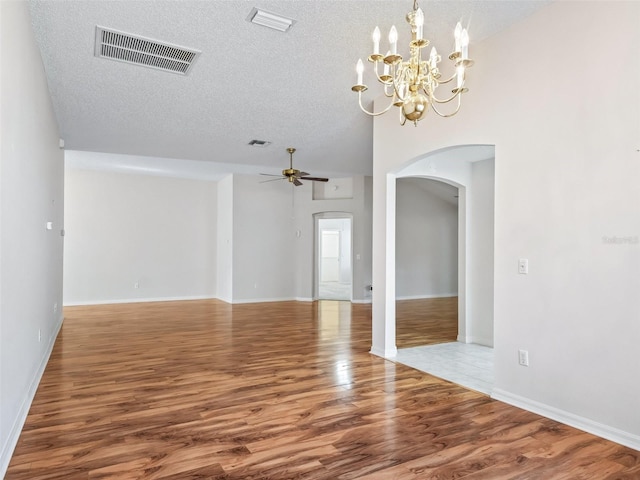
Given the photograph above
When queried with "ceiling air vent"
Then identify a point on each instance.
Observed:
(270, 20)
(259, 143)
(128, 48)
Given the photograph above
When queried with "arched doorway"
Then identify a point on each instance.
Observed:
(426, 262)
(333, 262)
(454, 165)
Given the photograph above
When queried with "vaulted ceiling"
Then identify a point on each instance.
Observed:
(250, 82)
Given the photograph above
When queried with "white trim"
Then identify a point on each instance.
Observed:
(263, 300)
(14, 434)
(605, 431)
(174, 299)
(139, 300)
(420, 297)
(363, 301)
(389, 353)
(484, 341)
(317, 241)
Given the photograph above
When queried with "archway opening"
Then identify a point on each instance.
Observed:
(471, 170)
(426, 262)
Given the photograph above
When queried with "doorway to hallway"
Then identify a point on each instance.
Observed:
(333, 263)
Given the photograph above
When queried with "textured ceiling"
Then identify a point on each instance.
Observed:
(250, 82)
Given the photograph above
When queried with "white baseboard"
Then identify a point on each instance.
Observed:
(16, 428)
(263, 300)
(388, 353)
(296, 299)
(463, 339)
(486, 342)
(207, 297)
(610, 433)
(421, 297)
(138, 300)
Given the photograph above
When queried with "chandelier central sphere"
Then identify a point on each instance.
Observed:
(415, 106)
(411, 84)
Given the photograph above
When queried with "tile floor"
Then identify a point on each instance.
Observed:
(466, 364)
(334, 291)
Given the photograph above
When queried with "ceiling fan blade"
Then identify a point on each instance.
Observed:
(294, 176)
(273, 180)
(315, 179)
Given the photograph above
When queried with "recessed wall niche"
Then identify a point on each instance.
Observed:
(335, 188)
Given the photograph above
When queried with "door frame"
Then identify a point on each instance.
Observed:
(316, 247)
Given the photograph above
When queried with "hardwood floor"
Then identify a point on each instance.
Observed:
(425, 322)
(206, 390)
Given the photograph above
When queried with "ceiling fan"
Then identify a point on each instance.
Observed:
(294, 176)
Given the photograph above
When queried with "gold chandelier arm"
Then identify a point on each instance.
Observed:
(373, 114)
(403, 119)
(386, 91)
(384, 79)
(457, 93)
(448, 114)
(452, 77)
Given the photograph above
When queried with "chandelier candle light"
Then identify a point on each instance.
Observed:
(411, 85)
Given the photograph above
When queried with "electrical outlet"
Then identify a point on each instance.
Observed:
(55, 308)
(523, 266)
(39, 335)
(523, 358)
(136, 285)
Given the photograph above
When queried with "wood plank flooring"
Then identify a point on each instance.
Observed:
(426, 322)
(206, 390)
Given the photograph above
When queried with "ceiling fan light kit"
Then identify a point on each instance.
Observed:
(411, 84)
(292, 175)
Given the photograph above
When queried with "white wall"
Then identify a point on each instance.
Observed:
(31, 185)
(224, 245)
(481, 244)
(180, 238)
(271, 260)
(567, 169)
(426, 242)
(359, 206)
(130, 230)
(263, 240)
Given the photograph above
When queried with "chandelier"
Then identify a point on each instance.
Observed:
(411, 85)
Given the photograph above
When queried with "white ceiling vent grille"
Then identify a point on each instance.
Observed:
(128, 48)
(270, 20)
